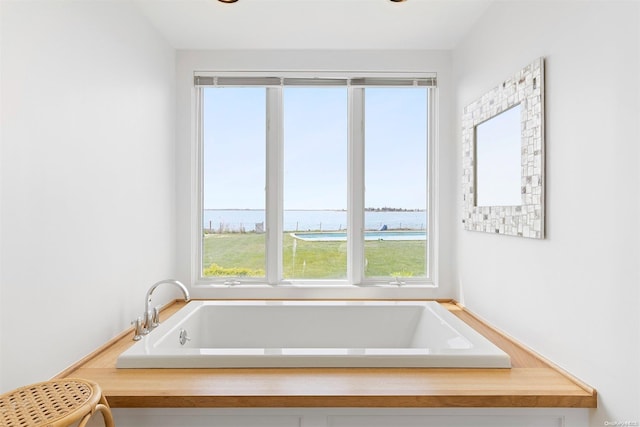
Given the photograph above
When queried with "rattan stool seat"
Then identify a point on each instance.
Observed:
(55, 403)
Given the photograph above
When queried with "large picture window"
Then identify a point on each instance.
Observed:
(309, 181)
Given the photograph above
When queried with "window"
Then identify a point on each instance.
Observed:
(395, 182)
(315, 183)
(233, 182)
(315, 180)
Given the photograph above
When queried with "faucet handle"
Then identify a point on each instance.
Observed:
(138, 329)
(155, 316)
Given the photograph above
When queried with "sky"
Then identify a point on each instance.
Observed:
(315, 147)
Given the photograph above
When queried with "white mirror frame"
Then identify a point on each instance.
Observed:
(527, 219)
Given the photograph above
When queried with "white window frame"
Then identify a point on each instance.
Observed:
(355, 283)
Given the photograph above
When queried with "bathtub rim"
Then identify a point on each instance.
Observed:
(141, 355)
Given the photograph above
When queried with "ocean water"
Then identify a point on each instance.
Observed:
(248, 220)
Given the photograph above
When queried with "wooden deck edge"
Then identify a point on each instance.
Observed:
(439, 300)
(587, 388)
(391, 401)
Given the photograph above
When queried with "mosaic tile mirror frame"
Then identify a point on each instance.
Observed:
(526, 90)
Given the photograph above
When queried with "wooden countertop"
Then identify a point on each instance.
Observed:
(531, 382)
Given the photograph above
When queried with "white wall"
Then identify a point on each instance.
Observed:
(88, 188)
(1, 387)
(573, 297)
(312, 60)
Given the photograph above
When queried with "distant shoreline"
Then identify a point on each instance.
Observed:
(311, 219)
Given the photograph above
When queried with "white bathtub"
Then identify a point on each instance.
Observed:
(250, 334)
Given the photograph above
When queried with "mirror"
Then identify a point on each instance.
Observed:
(498, 160)
(503, 157)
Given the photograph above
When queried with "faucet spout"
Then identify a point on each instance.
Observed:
(150, 319)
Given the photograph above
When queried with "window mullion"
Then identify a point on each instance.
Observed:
(274, 185)
(355, 203)
(197, 265)
(432, 186)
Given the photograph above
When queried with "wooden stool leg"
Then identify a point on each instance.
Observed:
(103, 408)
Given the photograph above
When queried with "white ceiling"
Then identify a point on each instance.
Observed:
(313, 24)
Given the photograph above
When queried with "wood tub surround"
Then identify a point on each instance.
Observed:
(531, 382)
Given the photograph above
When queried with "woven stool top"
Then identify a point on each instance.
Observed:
(48, 403)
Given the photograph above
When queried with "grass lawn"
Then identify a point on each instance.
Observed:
(244, 254)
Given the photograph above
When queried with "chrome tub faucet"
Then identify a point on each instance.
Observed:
(151, 317)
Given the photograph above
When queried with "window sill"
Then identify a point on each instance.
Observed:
(203, 289)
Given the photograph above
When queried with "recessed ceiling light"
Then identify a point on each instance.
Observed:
(227, 1)
(398, 1)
